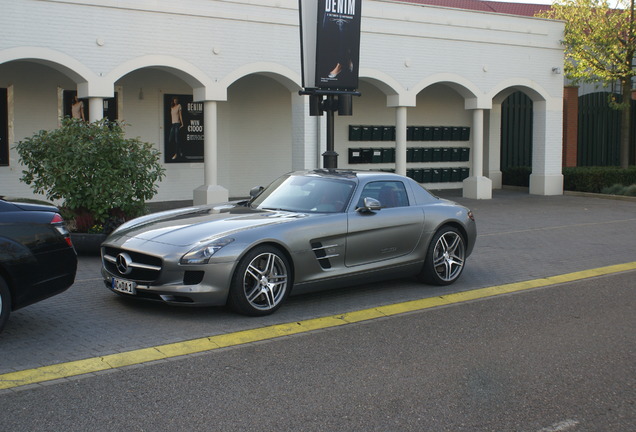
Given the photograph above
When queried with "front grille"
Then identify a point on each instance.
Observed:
(143, 268)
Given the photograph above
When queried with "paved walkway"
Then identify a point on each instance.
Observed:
(520, 237)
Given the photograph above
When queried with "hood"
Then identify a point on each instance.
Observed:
(192, 225)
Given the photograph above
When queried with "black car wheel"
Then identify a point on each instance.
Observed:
(445, 258)
(261, 282)
(5, 303)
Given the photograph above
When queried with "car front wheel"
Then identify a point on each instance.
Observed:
(445, 258)
(5, 303)
(261, 282)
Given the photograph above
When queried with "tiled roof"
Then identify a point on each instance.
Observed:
(524, 9)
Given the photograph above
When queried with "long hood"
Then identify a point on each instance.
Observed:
(189, 226)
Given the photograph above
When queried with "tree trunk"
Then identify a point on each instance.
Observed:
(626, 117)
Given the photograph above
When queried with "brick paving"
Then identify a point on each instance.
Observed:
(520, 237)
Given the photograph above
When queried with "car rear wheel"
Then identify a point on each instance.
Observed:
(261, 282)
(5, 303)
(445, 258)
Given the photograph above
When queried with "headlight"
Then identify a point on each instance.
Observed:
(202, 254)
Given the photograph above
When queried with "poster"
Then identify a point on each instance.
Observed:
(75, 107)
(338, 44)
(184, 130)
(330, 43)
(78, 108)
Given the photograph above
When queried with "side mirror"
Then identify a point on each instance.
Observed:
(256, 191)
(370, 205)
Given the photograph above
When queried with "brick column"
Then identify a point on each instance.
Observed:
(570, 125)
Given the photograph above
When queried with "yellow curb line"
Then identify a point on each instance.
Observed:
(162, 352)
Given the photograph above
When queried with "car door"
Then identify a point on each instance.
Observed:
(391, 232)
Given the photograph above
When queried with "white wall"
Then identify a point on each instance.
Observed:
(438, 62)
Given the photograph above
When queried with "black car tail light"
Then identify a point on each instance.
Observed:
(58, 223)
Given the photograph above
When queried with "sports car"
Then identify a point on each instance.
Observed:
(306, 231)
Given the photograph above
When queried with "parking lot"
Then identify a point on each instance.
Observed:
(520, 237)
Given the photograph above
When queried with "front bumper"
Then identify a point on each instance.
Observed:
(168, 281)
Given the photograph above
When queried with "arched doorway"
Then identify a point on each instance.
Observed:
(516, 139)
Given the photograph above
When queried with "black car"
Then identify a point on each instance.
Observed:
(37, 258)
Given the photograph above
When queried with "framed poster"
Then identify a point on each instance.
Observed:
(184, 130)
(78, 108)
(75, 107)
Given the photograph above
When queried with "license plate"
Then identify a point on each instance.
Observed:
(124, 286)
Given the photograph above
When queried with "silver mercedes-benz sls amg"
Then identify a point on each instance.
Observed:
(306, 231)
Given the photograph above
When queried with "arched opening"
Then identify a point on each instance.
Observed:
(516, 139)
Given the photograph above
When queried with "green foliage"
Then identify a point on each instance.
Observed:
(97, 172)
(597, 179)
(619, 189)
(600, 43)
(599, 39)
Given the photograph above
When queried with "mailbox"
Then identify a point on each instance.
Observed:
(417, 133)
(355, 133)
(427, 175)
(427, 133)
(388, 133)
(366, 155)
(376, 133)
(367, 133)
(388, 155)
(456, 154)
(437, 154)
(446, 154)
(355, 155)
(465, 156)
(427, 154)
(417, 154)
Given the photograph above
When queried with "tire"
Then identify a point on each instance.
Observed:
(5, 303)
(445, 257)
(261, 282)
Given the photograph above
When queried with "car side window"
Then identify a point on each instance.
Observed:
(389, 193)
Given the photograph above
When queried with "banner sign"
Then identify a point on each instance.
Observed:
(183, 126)
(330, 43)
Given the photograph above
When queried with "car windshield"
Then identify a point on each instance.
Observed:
(306, 194)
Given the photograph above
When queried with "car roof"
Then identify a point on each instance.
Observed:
(359, 175)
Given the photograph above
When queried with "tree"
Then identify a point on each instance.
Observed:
(100, 175)
(600, 43)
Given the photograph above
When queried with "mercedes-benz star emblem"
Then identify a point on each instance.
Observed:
(123, 263)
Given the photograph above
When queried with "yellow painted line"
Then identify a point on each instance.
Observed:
(162, 352)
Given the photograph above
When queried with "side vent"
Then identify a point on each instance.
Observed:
(321, 252)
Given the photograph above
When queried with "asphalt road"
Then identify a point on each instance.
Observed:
(561, 358)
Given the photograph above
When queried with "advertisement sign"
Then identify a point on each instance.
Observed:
(330, 43)
(183, 126)
(78, 108)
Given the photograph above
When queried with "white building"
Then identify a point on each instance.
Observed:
(420, 66)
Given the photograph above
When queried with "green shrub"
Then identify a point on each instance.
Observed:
(99, 174)
(595, 179)
(619, 189)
